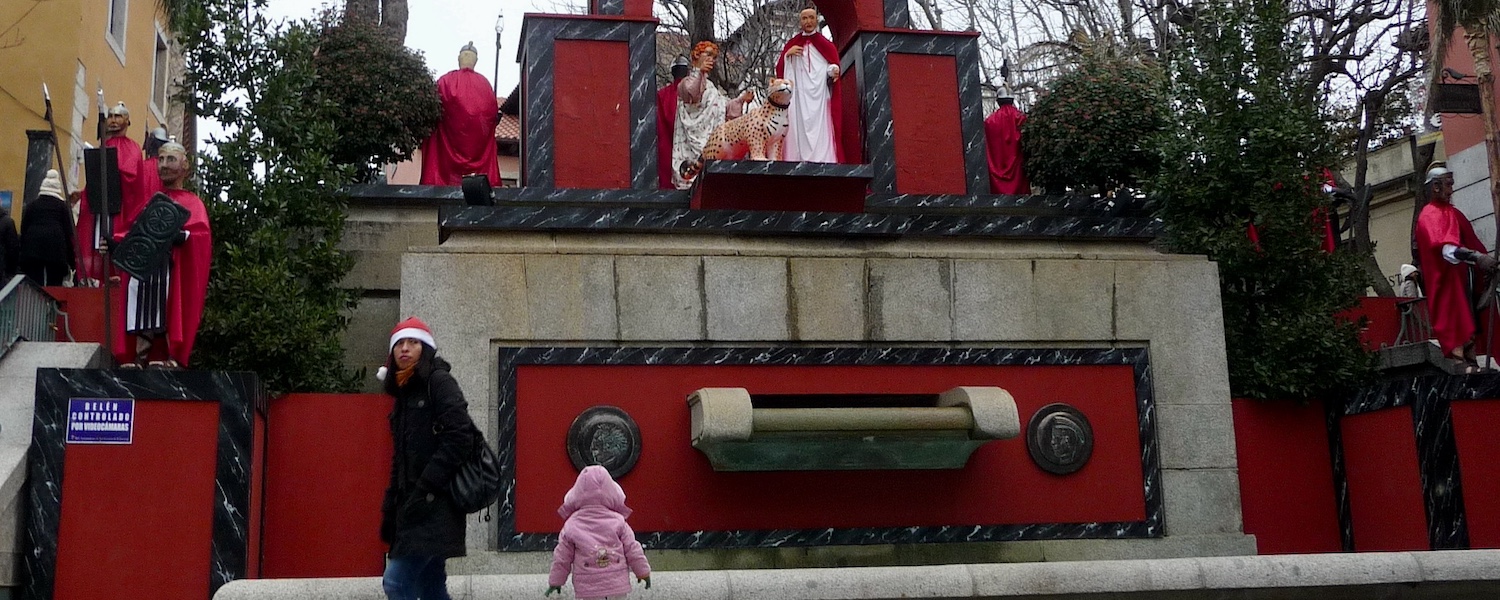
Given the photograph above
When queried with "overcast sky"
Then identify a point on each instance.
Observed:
(438, 28)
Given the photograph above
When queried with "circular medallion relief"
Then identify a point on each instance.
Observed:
(1059, 439)
(604, 436)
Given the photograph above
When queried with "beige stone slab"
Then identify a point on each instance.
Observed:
(571, 297)
(1201, 501)
(992, 300)
(660, 297)
(1467, 574)
(746, 298)
(466, 295)
(910, 299)
(1176, 306)
(1074, 299)
(1196, 436)
(828, 299)
(950, 581)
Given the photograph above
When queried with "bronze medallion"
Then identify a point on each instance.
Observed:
(1059, 439)
(604, 436)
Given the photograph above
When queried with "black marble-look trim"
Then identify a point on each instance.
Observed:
(240, 397)
(788, 169)
(1442, 484)
(1139, 358)
(897, 14)
(1332, 412)
(924, 204)
(847, 225)
(539, 32)
(1008, 204)
(609, 7)
(873, 71)
(436, 195)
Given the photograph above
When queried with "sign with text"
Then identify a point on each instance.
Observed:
(100, 420)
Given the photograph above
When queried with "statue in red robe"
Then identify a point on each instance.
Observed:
(1454, 262)
(169, 304)
(1002, 137)
(464, 141)
(138, 182)
(811, 63)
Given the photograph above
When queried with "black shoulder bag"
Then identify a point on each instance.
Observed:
(476, 484)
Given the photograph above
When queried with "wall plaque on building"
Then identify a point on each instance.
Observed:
(101, 420)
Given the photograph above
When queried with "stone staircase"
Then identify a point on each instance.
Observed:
(17, 397)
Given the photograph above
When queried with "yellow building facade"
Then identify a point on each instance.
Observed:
(76, 47)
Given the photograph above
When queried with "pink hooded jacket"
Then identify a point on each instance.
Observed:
(596, 544)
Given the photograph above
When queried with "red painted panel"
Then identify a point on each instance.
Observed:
(328, 464)
(852, 129)
(928, 137)
(1479, 463)
(1382, 322)
(638, 8)
(1385, 486)
(137, 519)
(85, 316)
(591, 122)
(1286, 477)
(673, 488)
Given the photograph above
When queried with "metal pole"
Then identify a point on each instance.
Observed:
(495, 82)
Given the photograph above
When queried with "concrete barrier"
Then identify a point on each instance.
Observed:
(1393, 575)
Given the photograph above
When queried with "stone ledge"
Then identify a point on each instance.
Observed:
(1463, 573)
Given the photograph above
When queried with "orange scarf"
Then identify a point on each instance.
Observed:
(404, 375)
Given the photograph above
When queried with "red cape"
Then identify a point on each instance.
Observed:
(666, 121)
(835, 98)
(464, 141)
(189, 282)
(1447, 284)
(1002, 137)
(138, 182)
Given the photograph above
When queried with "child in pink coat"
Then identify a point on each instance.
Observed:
(596, 545)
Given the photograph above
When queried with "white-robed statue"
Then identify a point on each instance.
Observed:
(700, 108)
(811, 62)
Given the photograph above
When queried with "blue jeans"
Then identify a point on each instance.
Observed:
(416, 578)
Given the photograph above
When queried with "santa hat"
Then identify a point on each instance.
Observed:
(52, 185)
(412, 328)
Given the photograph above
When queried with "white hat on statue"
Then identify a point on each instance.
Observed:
(120, 110)
(1437, 171)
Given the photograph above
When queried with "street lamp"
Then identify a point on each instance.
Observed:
(499, 29)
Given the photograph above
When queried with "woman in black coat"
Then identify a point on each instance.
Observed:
(432, 435)
(46, 244)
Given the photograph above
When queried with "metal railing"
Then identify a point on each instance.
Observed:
(1415, 326)
(27, 312)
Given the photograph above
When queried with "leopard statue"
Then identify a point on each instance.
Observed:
(757, 135)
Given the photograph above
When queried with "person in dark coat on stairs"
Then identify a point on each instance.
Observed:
(432, 434)
(46, 244)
